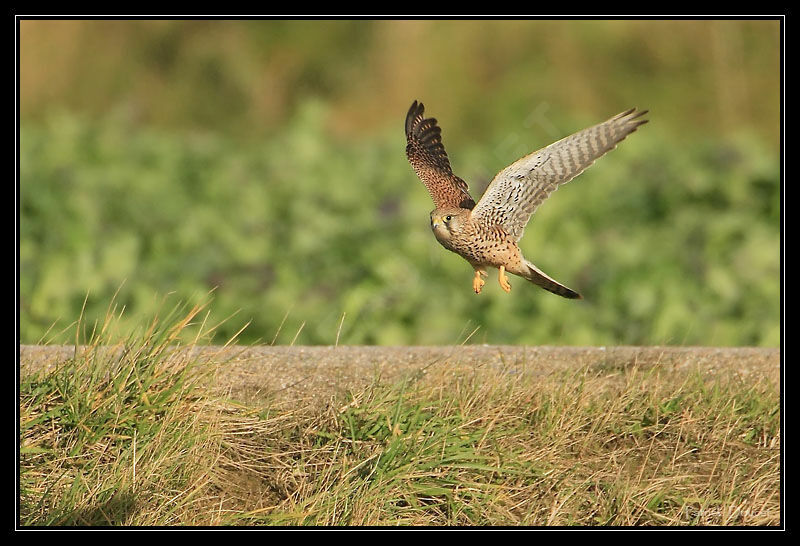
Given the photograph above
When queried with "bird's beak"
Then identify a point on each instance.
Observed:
(436, 222)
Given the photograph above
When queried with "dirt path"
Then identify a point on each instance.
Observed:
(317, 372)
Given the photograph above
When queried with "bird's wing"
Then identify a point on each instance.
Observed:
(516, 191)
(426, 154)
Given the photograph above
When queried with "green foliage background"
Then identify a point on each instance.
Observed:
(266, 159)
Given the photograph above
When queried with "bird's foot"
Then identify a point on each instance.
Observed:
(504, 284)
(478, 282)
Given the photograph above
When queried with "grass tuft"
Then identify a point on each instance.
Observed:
(113, 436)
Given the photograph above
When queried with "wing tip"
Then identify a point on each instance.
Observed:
(425, 132)
(414, 116)
(572, 295)
(628, 113)
(634, 115)
(631, 119)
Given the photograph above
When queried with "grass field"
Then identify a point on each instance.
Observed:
(130, 433)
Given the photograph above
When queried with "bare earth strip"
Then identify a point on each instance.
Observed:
(316, 372)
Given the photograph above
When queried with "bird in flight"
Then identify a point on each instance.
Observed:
(487, 233)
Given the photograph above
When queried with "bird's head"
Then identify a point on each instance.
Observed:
(446, 222)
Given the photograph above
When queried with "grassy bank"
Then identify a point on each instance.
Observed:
(131, 432)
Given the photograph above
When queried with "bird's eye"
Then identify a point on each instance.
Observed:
(448, 218)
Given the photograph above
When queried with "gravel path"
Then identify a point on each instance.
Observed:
(318, 371)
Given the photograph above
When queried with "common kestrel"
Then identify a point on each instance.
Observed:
(486, 234)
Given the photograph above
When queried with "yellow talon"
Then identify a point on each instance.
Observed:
(504, 284)
(477, 282)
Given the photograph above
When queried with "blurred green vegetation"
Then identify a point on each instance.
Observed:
(266, 159)
(248, 78)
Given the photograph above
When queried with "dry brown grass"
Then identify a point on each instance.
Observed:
(484, 447)
(137, 436)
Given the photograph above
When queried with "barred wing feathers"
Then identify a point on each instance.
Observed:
(517, 191)
(427, 156)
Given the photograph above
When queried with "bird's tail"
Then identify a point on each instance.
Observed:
(537, 277)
